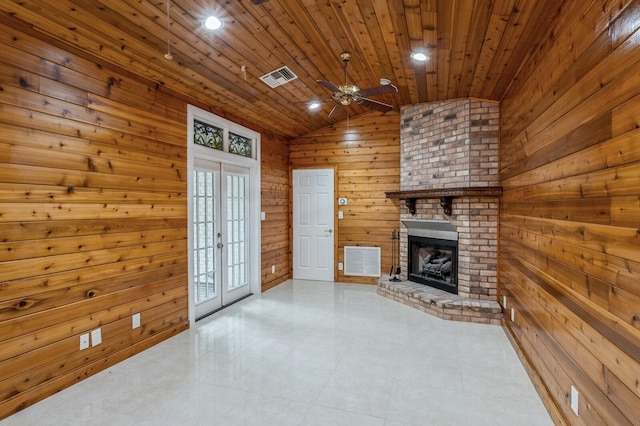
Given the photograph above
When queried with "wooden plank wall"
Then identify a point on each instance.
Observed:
(274, 171)
(93, 217)
(366, 154)
(570, 219)
(93, 214)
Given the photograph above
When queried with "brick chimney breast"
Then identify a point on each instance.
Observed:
(448, 145)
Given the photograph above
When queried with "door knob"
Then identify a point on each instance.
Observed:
(220, 245)
(329, 230)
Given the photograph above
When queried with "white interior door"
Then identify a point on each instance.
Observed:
(220, 239)
(313, 220)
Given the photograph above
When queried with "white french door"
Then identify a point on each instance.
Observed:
(313, 220)
(221, 235)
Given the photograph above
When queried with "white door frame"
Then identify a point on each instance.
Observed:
(316, 232)
(253, 164)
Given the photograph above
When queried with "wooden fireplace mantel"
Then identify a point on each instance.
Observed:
(446, 195)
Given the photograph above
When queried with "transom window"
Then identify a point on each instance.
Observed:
(222, 139)
(207, 135)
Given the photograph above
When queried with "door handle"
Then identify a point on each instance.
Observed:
(328, 230)
(220, 245)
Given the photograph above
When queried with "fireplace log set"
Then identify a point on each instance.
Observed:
(435, 263)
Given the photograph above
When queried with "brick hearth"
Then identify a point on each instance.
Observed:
(440, 303)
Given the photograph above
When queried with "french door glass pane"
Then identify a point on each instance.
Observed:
(236, 231)
(205, 236)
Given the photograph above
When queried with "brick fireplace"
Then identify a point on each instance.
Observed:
(449, 178)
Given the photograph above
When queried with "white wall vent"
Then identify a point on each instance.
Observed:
(278, 77)
(362, 261)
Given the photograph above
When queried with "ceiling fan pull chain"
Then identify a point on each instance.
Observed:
(168, 55)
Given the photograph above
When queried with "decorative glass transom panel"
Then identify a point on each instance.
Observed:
(207, 135)
(240, 145)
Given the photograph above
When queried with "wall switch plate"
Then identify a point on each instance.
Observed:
(84, 341)
(504, 302)
(513, 315)
(96, 337)
(263, 216)
(273, 269)
(340, 215)
(135, 321)
(575, 396)
(340, 266)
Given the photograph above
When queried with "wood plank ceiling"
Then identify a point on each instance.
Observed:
(475, 48)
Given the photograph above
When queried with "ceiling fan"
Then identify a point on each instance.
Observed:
(347, 93)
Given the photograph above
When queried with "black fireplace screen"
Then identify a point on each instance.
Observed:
(434, 262)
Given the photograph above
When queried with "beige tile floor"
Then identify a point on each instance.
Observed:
(309, 353)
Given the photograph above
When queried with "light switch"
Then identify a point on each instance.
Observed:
(340, 215)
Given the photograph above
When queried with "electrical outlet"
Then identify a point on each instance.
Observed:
(504, 302)
(263, 216)
(135, 321)
(96, 337)
(84, 341)
(513, 315)
(340, 266)
(575, 396)
(273, 269)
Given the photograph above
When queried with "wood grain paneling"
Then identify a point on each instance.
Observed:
(93, 214)
(365, 152)
(93, 221)
(570, 212)
(475, 49)
(275, 205)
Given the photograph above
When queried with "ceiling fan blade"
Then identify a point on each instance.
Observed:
(378, 90)
(378, 106)
(328, 85)
(336, 110)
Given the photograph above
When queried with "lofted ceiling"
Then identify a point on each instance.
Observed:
(476, 48)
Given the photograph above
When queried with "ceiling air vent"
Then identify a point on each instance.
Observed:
(278, 77)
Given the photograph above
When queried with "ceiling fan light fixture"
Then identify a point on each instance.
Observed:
(420, 56)
(349, 88)
(212, 23)
(347, 94)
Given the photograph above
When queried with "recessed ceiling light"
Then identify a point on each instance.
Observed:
(314, 105)
(213, 23)
(419, 56)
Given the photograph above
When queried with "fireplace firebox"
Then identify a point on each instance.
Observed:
(434, 262)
